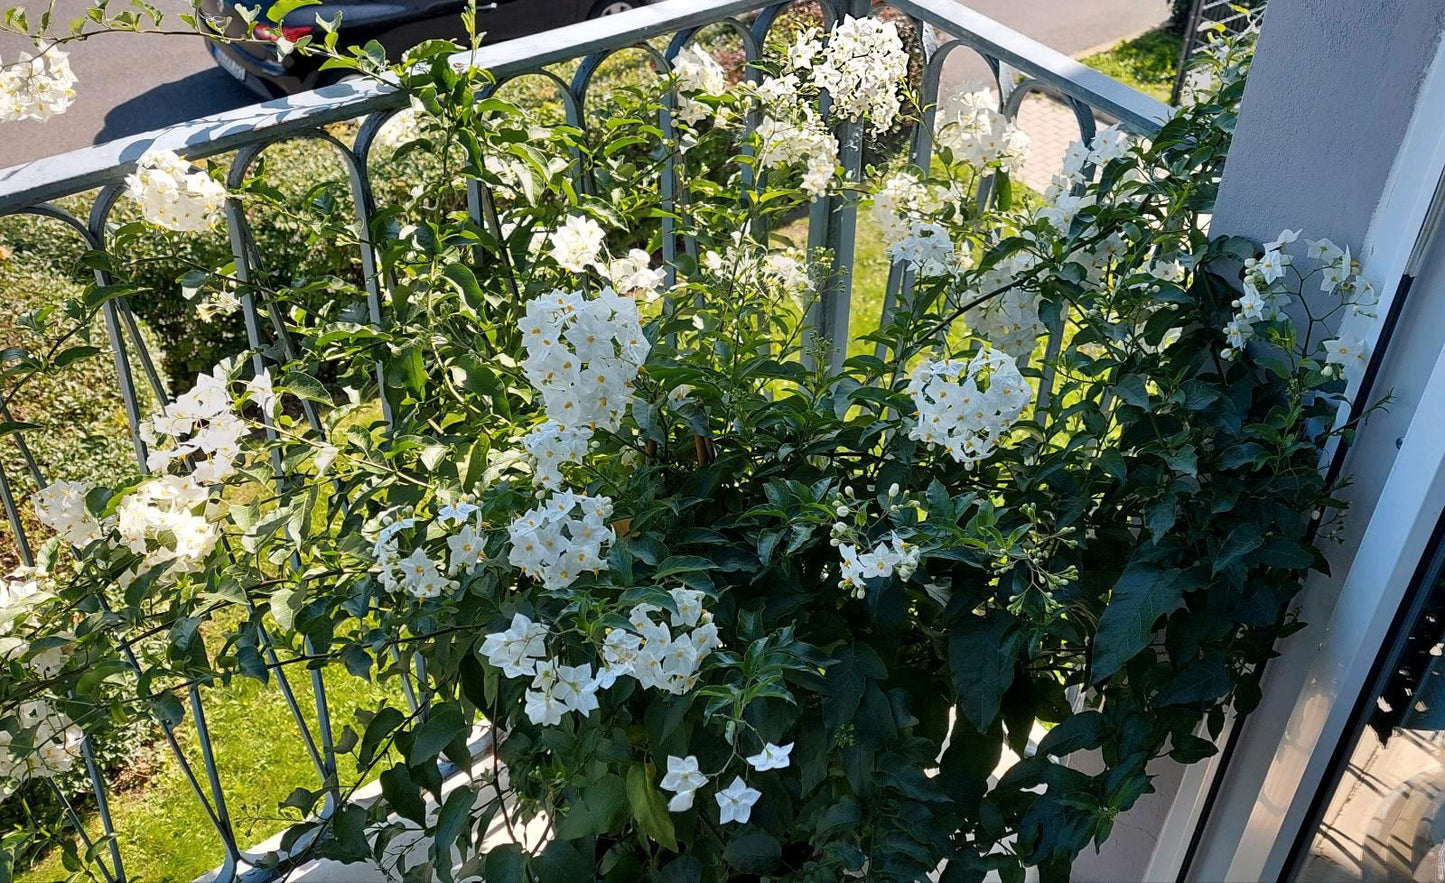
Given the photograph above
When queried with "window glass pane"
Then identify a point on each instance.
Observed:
(1384, 819)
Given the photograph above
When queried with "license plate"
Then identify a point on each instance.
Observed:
(229, 64)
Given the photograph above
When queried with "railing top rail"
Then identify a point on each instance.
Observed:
(1137, 112)
(53, 177)
(64, 174)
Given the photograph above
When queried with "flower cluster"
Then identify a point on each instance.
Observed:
(896, 556)
(60, 506)
(577, 244)
(860, 69)
(1009, 321)
(165, 522)
(970, 124)
(903, 200)
(36, 742)
(747, 263)
(583, 354)
(698, 73)
(551, 445)
(551, 544)
(653, 654)
(203, 428)
(172, 194)
(787, 142)
(735, 802)
(633, 274)
(967, 406)
(36, 87)
(1266, 294)
(927, 249)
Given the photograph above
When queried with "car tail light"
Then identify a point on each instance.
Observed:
(290, 32)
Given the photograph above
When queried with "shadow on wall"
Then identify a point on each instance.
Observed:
(207, 92)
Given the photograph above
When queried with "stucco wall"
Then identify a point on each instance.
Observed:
(1331, 91)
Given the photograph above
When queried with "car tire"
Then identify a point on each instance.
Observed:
(612, 7)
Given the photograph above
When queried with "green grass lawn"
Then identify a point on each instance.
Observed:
(165, 834)
(1147, 62)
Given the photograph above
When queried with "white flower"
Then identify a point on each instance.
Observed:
(772, 757)
(54, 742)
(634, 273)
(967, 407)
(862, 69)
(881, 562)
(164, 521)
(735, 802)
(1324, 251)
(60, 506)
(36, 87)
(466, 549)
(174, 195)
(551, 544)
(971, 126)
(577, 244)
(1076, 156)
(786, 143)
(583, 354)
(1109, 143)
(541, 704)
(517, 650)
(683, 778)
(656, 657)
(1285, 238)
(698, 73)
(576, 688)
(1346, 352)
(927, 249)
(901, 201)
(551, 445)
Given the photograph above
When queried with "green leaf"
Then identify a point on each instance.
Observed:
(1143, 593)
(506, 864)
(465, 280)
(451, 829)
(442, 725)
(981, 658)
(1082, 731)
(403, 794)
(1201, 681)
(649, 809)
(683, 564)
(1240, 542)
(753, 851)
(281, 8)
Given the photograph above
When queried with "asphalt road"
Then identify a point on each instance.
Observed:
(130, 83)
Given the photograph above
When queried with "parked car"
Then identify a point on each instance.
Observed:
(396, 24)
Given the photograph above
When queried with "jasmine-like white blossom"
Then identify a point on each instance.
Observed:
(735, 802)
(1345, 353)
(772, 757)
(36, 86)
(786, 143)
(633, 274)
(60, 506)
(577, 244)
(927, 249)
(518, 649)
(683, 778)
(583, 354)
(551, 445)
(46, 745)
(697, 73)
(173, 194)
(553, 545)
(967, 407)
(862, 69)
(896, 556)
(971, 126)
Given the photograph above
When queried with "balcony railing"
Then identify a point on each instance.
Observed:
(1019, 66)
